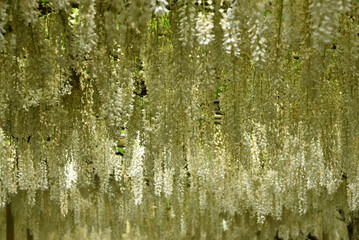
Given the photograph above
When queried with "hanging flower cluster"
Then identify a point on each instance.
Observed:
(179, 119)
(3, 20)
(187, 15)
(204, 28)
(159, 7)
(256, 29)
(325, 20)
(231, 29)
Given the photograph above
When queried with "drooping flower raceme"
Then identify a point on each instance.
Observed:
(324, 21)
(3, 19)
(60, 4)
(136, 171)
(204, 27)
(283, 153)
(258, 42)
(159, 7)
(70, 175)
(231, 31)
(29, 11)
(187, 13)
(85, 27)
(168, 182)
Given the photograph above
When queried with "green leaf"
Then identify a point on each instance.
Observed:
(266, 12)
(120, 149)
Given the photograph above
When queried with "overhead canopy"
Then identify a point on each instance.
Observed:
(179, 119)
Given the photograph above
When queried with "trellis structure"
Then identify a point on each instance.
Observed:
(281, 163)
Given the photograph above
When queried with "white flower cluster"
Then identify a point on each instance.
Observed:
(159, 7)
(231, 37)
(353, 193)
(258, 43)
(26, 174)
(3, 170)
(158, 179)
(348, 45)
(118, 98)
(119, 106)
(136, 171)
(255, 153)
(65, 89)
(225, 225)
(187, 14)
(32, 98)
(325, 21)
(168, 182)
(183, 225)
(2, 143)
(117, 166)
(3, 20)
(8, 171)
(60, 4)
(163, 179)
(281, 154)
(43, 176)
(29, 11)
(70, 174)
(85, 26)
(204, 27)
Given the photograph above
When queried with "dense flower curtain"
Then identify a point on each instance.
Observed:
(179, 119)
